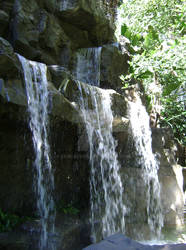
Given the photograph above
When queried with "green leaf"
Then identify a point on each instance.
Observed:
(123, 29)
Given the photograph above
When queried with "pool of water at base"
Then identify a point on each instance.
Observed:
(170, 235)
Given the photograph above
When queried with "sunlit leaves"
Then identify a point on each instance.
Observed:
(162, 15)
(174, 116)
(156, 30)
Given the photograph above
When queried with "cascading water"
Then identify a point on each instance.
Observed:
(37, 95)
(106, 188)
(66, 4)
(140, 130)
(88, 65)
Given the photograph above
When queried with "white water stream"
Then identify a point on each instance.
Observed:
(141, 133)
(37, 96)
(106, 190)
(66, 4)
(88, 65)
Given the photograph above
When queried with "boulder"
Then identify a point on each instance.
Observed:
(121, 242)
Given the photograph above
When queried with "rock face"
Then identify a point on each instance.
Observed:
(17, 156)
(49, 31)
(54, 32)
(170, 176)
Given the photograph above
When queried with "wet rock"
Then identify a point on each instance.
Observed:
(15, 160)
(13, 91)
(88, 15)
(12, 86)
(4, 19)
(119, 106)
(171, 188)
(169, 176)
(114, 63)
(121, 242)
(120, 125)
(58, 75)
(5, 47)
(63, 108)
(107, 61)
(9, 65)
(17, 153)
(35, 33)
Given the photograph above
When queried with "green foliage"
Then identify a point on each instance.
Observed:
(67, 208)
(8, 221)
(174, 116)
(156, 30)
(134, 38)
(165, 16)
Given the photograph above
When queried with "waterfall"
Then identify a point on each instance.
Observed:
(66, 4)
(106, 190)
(141, 133)
(37, 95)
(88, 65)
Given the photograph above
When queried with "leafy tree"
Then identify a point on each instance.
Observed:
(156, 30)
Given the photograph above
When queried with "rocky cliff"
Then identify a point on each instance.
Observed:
(56, 32)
